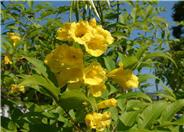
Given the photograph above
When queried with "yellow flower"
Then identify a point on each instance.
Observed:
(14, 38)
(66, 62)
(101, 39)
(94, 74)
(125, 78)
(77, 32)
(92, 36)
(64, 56)
(98, 121)
(107, 103)
(7, 58)
(99, 29)
(97, 90)
(96, 46)
(15, 90)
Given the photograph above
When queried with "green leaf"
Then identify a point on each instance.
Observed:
(169, 91)
(73, 99)
(35, 79)
(40, 68)
(168, 97)
(109, 63)
(147, 12)
(136, 95)
(144, 77)
(141, 51)
(134, 14)
(151, 113)
(158, 20)
(128, 62)
(123, 18)
(171, 109)
(129, 118)
(157, 54)
(30, 3)
(7, 125)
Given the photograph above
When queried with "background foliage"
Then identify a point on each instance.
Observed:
(46, 107)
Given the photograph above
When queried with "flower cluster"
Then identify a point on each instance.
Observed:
(98, 121)
(92, 36)
(14, 38)
(66, 62)
(16, 90)
(7, 58)
(107, 103)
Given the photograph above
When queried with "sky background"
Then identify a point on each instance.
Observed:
(167, 15)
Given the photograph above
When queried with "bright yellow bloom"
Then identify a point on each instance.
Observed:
(97, 90)
(99, 30)
(77, 32)
(125, 78)
(101, 39)
(14, 38)
(94, 74)
(92, 36)
(7, 58)
(98, 121)
(15, 90)
(96, 46)
(107, 103)
(66, 62)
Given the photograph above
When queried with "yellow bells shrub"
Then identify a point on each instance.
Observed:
(16, 90)
(98, 121)
(124, 77)
(107, 103)
(78, 32)
(97, 90)
(66, 62)
(7, 58)
(94, 74)
(14, 38)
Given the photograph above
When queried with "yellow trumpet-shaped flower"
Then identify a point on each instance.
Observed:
(92, 36)
(66, 62)
(94, 74)
(97, 90)
(124, 77)
(101, 39)
(14, 38)
(96, 46)
(98, 121)
(78, 32)
(15, 90)
(7, 58)
(107, 103)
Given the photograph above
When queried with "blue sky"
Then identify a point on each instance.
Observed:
(167, 15)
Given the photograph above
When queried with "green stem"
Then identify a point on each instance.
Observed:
(77, 10)
(84, 11)
(101, 12)
(117, 19)
(71, 6)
